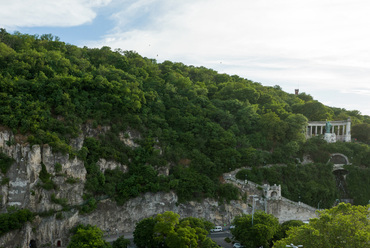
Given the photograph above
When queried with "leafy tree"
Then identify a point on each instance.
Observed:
(196, 222)
(144, 234)
(361, 132)
(314, 111)
(228, 192)
(356, 179)
(15, 219)
(87, 236)
(295, 122)
(342, 226)
(190, 185)
(214, 122)
(272, 128)
(264, 227)
(165, 225)
(5, 162)
(286, 226)
(121, 242)
(305, 97)
(165, 230)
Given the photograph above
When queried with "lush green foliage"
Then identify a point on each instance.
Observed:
(342, 226)
(260, 233)
(88, 237)
(358, 181)
(361, 132)
(197, 222)
(144, 234)
(121, 242)
(61, 201)
(46, 179)
(193, 119)
(5, 162)
(285, 227)
(311, 183)
(319, 151)
(14, 220)
(165, 230)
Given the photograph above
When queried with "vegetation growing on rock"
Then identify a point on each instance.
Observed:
(192, 120)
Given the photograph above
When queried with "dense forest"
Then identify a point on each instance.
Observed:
(192, 120)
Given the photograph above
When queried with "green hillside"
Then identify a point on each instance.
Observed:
(195, 121)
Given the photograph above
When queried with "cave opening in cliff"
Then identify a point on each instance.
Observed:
(33, 243)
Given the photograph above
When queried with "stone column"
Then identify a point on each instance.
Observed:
(348, 131)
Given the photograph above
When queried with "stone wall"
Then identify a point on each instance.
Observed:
(281, 207)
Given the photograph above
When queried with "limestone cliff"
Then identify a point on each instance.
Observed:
(25, 190)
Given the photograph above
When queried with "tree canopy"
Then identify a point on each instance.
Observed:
(88, 237)
(166, 230)
(342, 226)
(193, 121)
(121, 242)
(260, 233)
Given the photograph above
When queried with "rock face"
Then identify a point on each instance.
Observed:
(25, 190)
(129, 137)
(111, 165)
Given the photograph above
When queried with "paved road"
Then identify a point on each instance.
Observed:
(218, 237)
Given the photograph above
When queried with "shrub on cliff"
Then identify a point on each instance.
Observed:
(15, 219)
(5, 162)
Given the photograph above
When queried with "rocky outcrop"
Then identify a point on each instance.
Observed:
(26, 190)
(49, 230)
(111, 165)
(129, 137)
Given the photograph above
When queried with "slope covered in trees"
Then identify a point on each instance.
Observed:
(196, 121)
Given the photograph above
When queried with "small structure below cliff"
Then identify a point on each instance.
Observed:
(268, 198)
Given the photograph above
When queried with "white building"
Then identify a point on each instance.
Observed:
(339, 130)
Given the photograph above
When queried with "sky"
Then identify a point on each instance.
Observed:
(321, 47)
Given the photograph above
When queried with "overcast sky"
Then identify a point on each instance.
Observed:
(318, 46)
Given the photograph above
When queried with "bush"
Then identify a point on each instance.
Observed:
(72, 180)
(61, 201)
(4, 181)
(228, 192)
(5, 162)
(121, 242)
(59, 216)
(58, 167)
(45, 177)
(14, 220)
(89, 206)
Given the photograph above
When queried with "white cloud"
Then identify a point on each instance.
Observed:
(210, 28)
(57, 13)
(315, 45)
